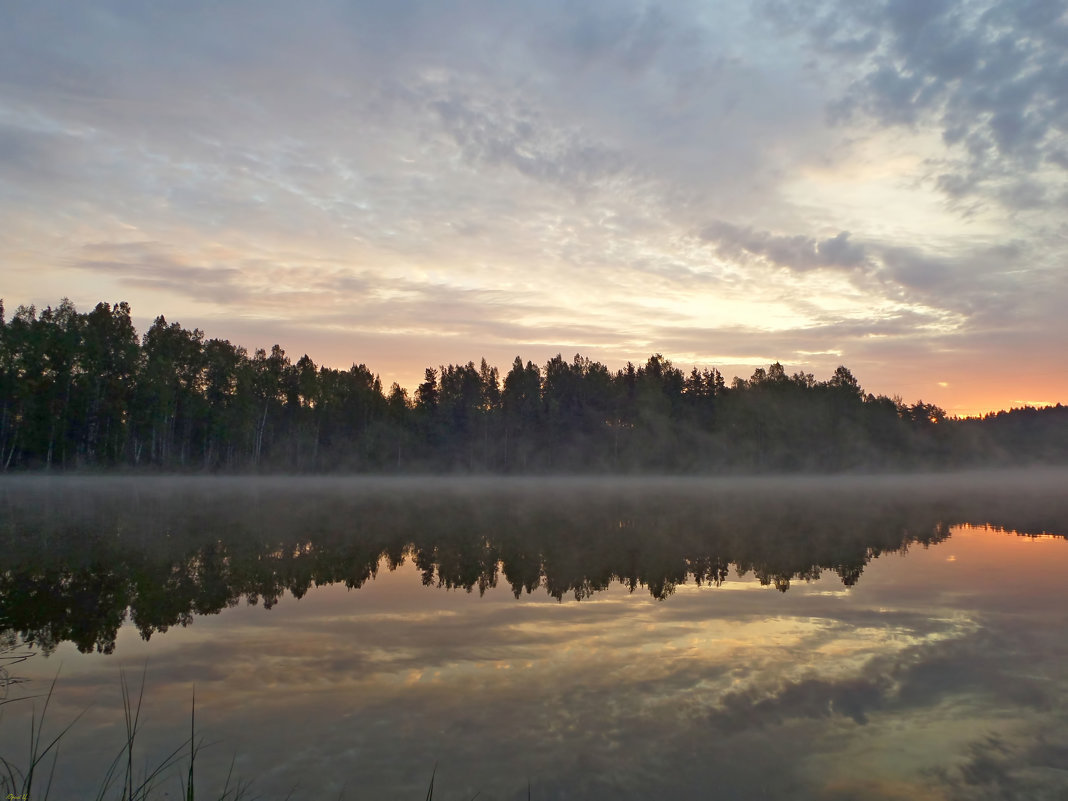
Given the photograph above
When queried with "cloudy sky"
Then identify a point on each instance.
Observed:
(403, 184)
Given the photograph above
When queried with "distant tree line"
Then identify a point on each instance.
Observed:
(83, 390)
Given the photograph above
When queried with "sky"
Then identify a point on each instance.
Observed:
(882, 185)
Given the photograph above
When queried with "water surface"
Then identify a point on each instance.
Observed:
(819, 638)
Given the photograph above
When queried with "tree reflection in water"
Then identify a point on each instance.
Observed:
(83, 556)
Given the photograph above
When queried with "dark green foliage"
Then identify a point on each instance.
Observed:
(79, 390)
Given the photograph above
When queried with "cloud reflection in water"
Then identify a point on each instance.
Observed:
(902, 676)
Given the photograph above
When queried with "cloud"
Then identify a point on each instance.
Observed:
(155, 266)
(799, 253)
(991, 77)
(492, 137)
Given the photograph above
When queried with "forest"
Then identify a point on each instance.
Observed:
(84, 391)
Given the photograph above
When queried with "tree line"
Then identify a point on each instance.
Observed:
(83, 390)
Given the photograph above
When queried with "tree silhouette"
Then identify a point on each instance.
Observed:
(80, 390)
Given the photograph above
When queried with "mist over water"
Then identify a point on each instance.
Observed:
(826, 638)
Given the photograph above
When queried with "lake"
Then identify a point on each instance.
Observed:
(830, 638)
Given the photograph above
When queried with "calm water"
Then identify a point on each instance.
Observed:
(825, 639)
